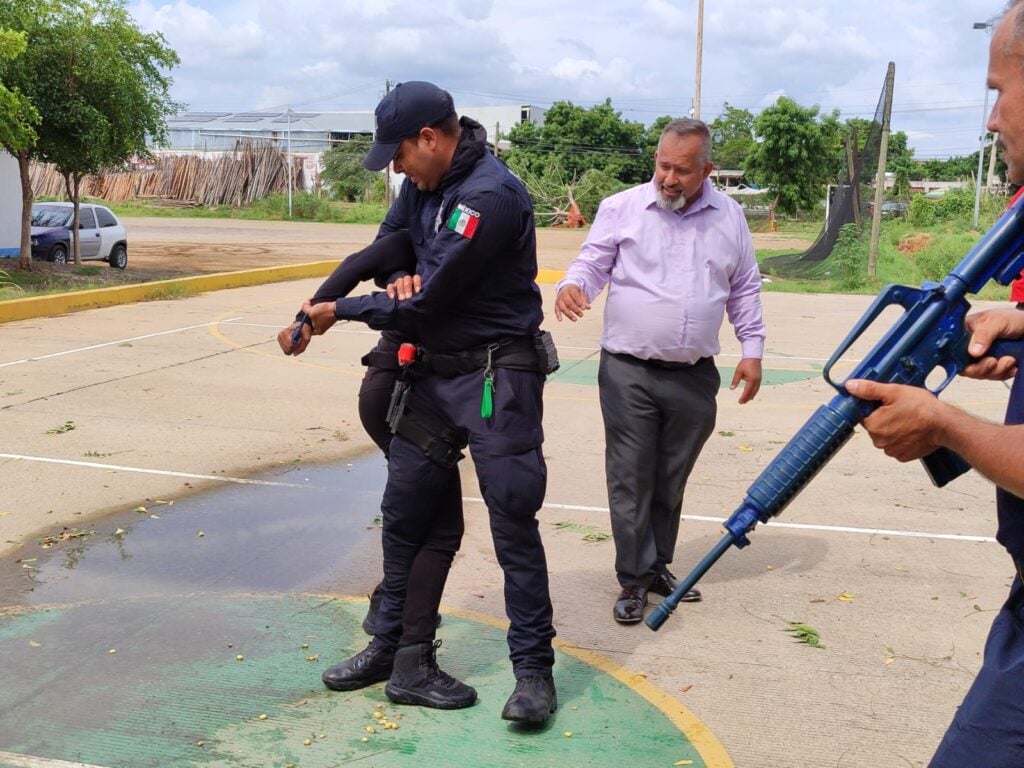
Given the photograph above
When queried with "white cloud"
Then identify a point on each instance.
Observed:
(668, 17)
(199, 37)
(574, 69)
(336, 54)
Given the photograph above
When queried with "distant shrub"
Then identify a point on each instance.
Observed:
(922, 211)
(849, 260)
(939, 257)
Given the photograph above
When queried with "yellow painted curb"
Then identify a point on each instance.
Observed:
(550, 276)
(64, 303)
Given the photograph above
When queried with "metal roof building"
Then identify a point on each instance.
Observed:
(313, 132)
(308, 132)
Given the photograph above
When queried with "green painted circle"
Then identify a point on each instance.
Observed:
(174, 681)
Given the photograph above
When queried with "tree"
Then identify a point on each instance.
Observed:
(18, 118)
(732, 137)
(900, 162)
(790, 158)
(343, 169)
(576, 140)
(99, 83)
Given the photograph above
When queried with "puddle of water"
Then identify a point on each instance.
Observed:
(253, 538)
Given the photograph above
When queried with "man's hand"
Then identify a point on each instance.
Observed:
(986, 328)
(321, 315)
(908, 423)
(571, 302)
(284, 338)
(749, 372)
(404, 287)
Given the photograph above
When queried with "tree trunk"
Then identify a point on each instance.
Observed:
(772, 224)
(25, 255)
(71, 185)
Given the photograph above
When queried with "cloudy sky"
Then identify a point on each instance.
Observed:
(335, 55)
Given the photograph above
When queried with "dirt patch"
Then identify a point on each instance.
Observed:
(914, 243)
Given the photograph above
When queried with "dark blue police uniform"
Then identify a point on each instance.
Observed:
(475, 247)
(988, 728)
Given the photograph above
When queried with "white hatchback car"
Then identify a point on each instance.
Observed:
(101, 235)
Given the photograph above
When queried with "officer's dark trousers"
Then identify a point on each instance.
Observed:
(656, 422)
(512, 476)
(988, 728)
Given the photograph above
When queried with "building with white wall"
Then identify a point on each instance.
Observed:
(10, 206)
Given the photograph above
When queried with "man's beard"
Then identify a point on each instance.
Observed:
(669, 204)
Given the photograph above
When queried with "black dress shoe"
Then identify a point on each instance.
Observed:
(532, 702)
(369, 666)
(629, 608)
(664, 584)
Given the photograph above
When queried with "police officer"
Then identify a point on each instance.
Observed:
(478, 380)
(909, 423)
(390, 262)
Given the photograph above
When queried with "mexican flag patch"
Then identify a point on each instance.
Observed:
(464, 220)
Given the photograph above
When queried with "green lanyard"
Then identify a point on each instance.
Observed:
(487, 400)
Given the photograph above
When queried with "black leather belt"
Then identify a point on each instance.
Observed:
(665, 365)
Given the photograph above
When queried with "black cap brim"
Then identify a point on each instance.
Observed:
(380, 155)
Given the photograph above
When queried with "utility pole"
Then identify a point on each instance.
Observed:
(851, 176)
(387, 168)
(289, 162)
(700, 47)
(985, 25)
(497, 137)
(883, 149)
(990, 179)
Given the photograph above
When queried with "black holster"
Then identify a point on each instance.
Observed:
(440, 441)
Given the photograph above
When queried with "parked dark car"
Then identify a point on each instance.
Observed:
(101, 236)
(891, 209)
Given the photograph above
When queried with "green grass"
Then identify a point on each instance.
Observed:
(846, 269)
(46, 279)
(304, 207)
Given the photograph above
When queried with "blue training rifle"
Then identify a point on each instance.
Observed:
(929, 335)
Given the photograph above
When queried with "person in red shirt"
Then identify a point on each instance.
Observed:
(1017, 286)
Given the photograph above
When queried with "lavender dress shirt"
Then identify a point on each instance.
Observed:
(671, 276)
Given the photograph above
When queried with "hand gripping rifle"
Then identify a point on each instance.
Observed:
(930, 334)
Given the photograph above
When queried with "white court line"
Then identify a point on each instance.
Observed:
(28, 761)
(119, 341)
(798, 526)
(164, 472)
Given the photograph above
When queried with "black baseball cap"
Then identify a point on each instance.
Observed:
(401, 113)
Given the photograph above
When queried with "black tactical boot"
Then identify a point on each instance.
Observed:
(416, 679)
(369, 666)
(532, 702)
(370, 620)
